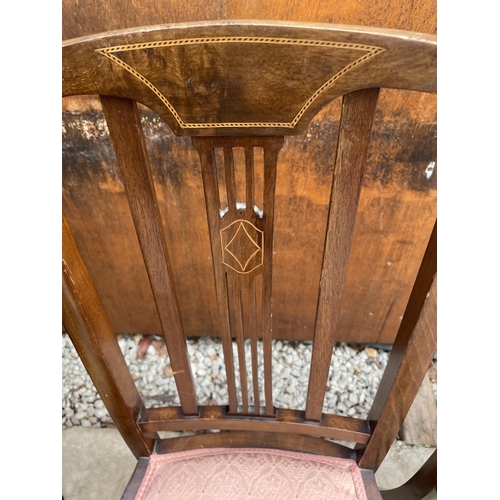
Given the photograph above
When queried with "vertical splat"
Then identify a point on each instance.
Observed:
(356, 121)
(124, 124)
(241, 236)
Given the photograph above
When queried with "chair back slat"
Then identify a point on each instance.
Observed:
(358, 111)
(249, 173)
(122, 117)
(212, 201)
(234, 290)
(235, 294)
(411, 355)
(252, 330)
(230, 176)
(241, 236)
(230, 104)
(271, 151)
(88, 326)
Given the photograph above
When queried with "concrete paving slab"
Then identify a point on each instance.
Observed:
(401, 463)
(96, 464)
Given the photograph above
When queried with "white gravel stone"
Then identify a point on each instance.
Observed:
(352, 382)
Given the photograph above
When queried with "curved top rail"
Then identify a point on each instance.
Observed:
(245, 77)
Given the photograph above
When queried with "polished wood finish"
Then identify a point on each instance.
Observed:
(221, 112)
(410, 358)
(419, 485)
(241, 237)
(358, 111)
(88, 326)
(396, 210)
(418, 297)
(94, 17)
(210, 185)
(235, 294)
(245, 439)
(125, 129)
(395, 216)
(253, 329)
(270, 166)
(371, 488)
(135, 481)
(288, 421)
(212, 65)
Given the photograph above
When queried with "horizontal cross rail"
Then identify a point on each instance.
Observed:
(290, 421)
(247, 439)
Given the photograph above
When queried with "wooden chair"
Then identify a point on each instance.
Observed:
(247, 84)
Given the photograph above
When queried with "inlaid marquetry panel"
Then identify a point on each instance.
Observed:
(242, 246)
(245, 78)
(237, 236)
(192, 75)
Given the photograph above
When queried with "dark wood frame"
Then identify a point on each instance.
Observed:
(96, 65)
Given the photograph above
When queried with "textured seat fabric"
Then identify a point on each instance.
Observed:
(222, 473)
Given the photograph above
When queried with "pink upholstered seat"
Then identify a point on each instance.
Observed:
(250, 473)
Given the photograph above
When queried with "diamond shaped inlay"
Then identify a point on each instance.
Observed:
(242, 245)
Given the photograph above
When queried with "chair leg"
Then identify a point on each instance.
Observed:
(136, 479)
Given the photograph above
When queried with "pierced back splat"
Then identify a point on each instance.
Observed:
(241, 237)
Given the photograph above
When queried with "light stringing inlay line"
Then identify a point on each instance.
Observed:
(241, 225)
(108, 52)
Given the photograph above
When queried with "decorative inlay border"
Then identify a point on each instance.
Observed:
(242, 223)
(372, 51)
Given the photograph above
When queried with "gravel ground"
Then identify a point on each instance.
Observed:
(355, 374)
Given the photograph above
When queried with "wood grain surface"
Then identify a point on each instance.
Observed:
(396, 208)
(90, 331)
(288, 421)
(135, 481)
(191, 74)
(415, 345)
(241, 234)
(244, 439)
(241, 238)
(95, 16)
(122, 117)
(356, 121)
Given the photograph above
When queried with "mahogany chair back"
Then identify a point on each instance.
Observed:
(246, 84)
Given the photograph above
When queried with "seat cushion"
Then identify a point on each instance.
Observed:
(223, 473)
